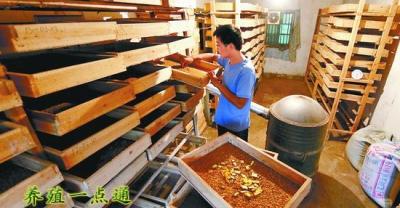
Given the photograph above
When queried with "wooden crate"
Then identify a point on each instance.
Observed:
(131, 30)
(43, 74)
(75, 146)
(32, 37)
(144, 76)
(159, 118)
(37, 172)
(8, 95)
(14, 140)
(188, 101)
(113, 158)
(62, 112)
(163, 138)
(127, 175)
(188, 75)
(303, 182)
(151, 99)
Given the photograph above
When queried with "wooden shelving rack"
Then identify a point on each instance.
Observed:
(349, 39)
(96, 85)
(248, 17)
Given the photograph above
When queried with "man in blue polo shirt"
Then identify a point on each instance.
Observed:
(236, 84)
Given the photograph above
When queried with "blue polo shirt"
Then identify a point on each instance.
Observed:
(240, 79)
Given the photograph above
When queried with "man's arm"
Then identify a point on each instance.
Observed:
(235, 100)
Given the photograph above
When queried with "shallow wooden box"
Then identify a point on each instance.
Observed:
(151, 99)
(127, 175)
(42, 74)
(188, 75)
(14, 139)
(186, 117)
(26, 171)
(163, 138)
(188, 101)
(160, 117)
(32, 37)
(62, 112)
(303, 182)
(75, 146)
(144, 76)
(113, 158)
(8, 95)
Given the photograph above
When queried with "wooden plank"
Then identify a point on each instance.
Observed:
(188, 75)
(153, 98)
(344, 35)
(182, 4)
(34, 77)
(14, 140)
(147, 2)
(188, 101)
(244, 22)
(186, 118)
(230, 6)
(156, 120)
(164, 138)
(84, 141)
(8, 95)
(341, 48)
(33, 37)
(370, 9)
(144, 76)
(60, 113)
(46, 176)
(139, 30)
(100, 176)
(348, 23)
(303, 182)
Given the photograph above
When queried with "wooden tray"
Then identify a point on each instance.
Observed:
(126, 176)
(156, 120)
(14, 140)
(8, 95)
(114, 158)
(163, 138)
(32, 37)
(151, 99)
(188, 75)
(62, 112)
(192, 143)
(188, 101)
(303, 182)
(185, 117)
(144, 76)
(75, 146)
(42, 74)
(27, 171)
(131, 30)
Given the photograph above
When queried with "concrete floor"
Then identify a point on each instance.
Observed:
(336, 183)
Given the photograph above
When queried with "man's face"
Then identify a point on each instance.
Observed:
(222, 49)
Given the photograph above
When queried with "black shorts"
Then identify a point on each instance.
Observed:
(241, 134)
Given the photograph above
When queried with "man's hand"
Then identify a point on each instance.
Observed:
(186, 61)
(214, 80)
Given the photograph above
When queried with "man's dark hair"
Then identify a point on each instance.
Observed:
(228, 34)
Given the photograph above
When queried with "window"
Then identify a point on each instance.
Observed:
(279, 35)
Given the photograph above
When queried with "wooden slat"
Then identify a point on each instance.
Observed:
(303, 182)
(140, 30)
(33, 37)
(244, 22)
(163, 139)
(81, 68)
(64, 117)
(70, 156)
(47, 176)
(370, 9)
(108, 171)
(151, 99)
(8, 95)
(230, 6)
(341, 48)
(159, 118)
(348, 23)
(14, 140)
(343, 35)
(147, 2)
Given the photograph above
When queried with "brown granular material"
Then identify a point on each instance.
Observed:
(277, 190)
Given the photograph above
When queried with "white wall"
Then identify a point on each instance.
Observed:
(308, 16)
